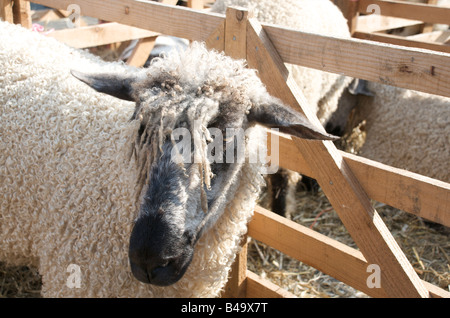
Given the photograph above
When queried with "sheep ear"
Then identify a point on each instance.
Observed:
(277, 115)
(112, 84)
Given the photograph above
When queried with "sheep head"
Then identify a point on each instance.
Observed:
(198, 96)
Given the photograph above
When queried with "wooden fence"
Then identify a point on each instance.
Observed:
(389, 15)
(348, 181)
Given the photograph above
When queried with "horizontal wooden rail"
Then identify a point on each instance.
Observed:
(415, 11)
(319, 251)
(258, 287)
(412, 68)
(158, 17)
(101, 34)
(376, 23)
(399, 66)
(410, 192)
(400, 40)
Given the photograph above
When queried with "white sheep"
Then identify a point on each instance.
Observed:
(85, 192)
(406, 129)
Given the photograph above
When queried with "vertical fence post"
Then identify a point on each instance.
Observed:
(235, 46)
(6, 13)
(22, 13)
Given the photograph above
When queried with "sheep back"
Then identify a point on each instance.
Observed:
(407, 129)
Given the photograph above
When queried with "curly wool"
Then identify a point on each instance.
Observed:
(67, 184)
(407, 129)
(321, 89)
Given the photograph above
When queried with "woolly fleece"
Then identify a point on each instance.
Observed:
(321, 89)
(67, 185)
(408, 130)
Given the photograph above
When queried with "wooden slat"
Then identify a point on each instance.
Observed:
(236, 286)
(336, 179)
(410, 68)
(407, 191)
(217, 39)
(235, 33)
(167, 19)
(262, 288)
(101, 34)
(22, 13)
(428, 27)
(142, 51)
(6, 12)
(319, 251)
(433, 36)
(360, 219)
(400, 40)
(377, 23)
(235, 46)
(195, 4)
(415, 11)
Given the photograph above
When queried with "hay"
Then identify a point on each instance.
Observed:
(19, 282)
(425, 244)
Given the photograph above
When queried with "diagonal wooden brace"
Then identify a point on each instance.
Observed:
(353, 206)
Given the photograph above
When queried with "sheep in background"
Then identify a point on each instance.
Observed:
(78, 177)
(321, 89)
(405, 129)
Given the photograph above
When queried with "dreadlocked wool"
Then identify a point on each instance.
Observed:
(68, 184)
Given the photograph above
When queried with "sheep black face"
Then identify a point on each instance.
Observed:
(179, 201)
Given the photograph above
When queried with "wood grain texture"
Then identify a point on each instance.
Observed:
(163, 18)
(400, 40)
(235, 46)
(262, 288)
(412, 68)
(337, 180)
(323, 253)
(415, 11)
(6, 10)
(425, 197)
(101, 34)
(22, 13)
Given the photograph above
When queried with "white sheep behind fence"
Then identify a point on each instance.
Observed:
(406, 129)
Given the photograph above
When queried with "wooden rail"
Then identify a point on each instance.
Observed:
(414, 11)
(383, 183)
(395, 14)
(348, 181)
(411, 68)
